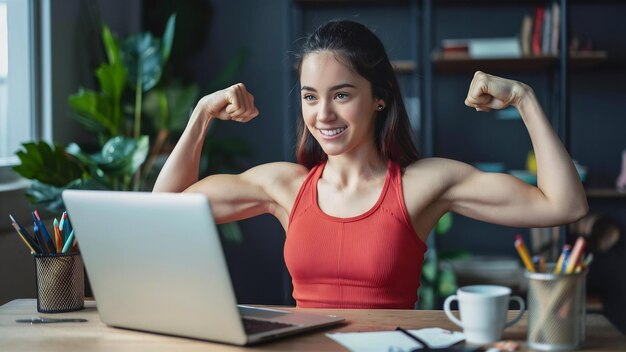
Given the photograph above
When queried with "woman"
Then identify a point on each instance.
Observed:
(358, 206)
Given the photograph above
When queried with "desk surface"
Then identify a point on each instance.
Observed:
(95, 336)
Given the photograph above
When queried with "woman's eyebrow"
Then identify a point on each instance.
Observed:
(335, 87)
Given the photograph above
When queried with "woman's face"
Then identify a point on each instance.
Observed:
(338, 106)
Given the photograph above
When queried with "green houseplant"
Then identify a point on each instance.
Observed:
(134, 116)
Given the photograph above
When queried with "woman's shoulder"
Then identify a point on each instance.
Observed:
(280, 173)
(435, 168)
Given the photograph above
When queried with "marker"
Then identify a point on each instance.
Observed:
(523, 253)
(58, 241)
(68, 242)
(576, 255)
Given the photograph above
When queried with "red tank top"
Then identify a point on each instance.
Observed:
(373, 260)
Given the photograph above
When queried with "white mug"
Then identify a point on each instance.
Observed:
(483, 311)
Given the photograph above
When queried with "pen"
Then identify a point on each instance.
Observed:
(68, 242)
(523, 253)
(414, 338)
(575, 255)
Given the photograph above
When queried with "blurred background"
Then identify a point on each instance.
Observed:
(572, 55)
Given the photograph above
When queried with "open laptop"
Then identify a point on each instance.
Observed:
(155, 263)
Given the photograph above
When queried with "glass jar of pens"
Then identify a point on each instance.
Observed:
(556, 298)
(58, 265)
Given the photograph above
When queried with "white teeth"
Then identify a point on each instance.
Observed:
(332, 132)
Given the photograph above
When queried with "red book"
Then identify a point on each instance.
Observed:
(537, 31)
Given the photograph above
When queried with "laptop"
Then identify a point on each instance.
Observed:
(155, 263)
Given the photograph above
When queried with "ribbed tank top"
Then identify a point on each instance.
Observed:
(372, 260)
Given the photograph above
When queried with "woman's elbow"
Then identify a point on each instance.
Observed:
(577, 211)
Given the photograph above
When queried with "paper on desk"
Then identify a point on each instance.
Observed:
(395, 340)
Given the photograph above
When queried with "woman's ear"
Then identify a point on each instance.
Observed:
(380, 105)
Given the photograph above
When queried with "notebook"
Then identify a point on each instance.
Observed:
(155, 263)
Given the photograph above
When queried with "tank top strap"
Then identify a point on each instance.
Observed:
(303, 199)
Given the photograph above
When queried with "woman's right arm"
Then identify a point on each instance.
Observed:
(182, 166)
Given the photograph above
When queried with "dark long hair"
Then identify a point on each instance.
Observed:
(360, 49)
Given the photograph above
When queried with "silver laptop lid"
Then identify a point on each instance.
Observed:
(155, 263)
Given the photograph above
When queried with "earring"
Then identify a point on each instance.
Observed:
(380, 107)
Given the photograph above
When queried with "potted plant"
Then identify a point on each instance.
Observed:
(134, 117)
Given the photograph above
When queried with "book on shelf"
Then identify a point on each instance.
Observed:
(535, 42)
(481, 48)
(556, 28)
(546, 31)
(543, 35)
(526, 34)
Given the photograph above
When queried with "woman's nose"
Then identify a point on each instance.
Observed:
(325, 112)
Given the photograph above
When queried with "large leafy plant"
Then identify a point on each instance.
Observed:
(133, 115)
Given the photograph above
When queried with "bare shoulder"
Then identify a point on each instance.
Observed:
(440, 168)
(277, 174)
(280, 180)
(435, 174)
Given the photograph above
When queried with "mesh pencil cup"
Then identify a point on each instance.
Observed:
(60, 282)
(556, 311)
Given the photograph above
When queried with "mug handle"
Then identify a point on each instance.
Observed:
(446, 309)
(522, 308)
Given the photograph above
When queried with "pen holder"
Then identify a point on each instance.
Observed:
(60, 282)
(556, 311)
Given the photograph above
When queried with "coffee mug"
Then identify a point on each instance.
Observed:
(483, 311)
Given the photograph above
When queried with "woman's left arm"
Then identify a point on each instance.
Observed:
(559, 197)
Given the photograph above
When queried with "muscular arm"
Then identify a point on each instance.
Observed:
(181, 168)
(559, 197)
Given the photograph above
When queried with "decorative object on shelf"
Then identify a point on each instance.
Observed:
(600, 230)
(621, 179)
(490, 166)
(531, 162)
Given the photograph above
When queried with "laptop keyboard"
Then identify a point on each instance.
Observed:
(254, 326)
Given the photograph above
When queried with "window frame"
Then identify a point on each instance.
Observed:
(38, 58)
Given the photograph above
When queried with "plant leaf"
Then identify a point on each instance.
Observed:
(48, 164)
(169, 108)
(50, 196)
(141, 55)
(112, 79)
(231, 232)
(93, 110)
(122, 155)
(111, 45)
(168, 38)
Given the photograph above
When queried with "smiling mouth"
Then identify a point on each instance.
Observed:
(333, 132)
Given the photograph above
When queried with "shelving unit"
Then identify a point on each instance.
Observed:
(440, 82)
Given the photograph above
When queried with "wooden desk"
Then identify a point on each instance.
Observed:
(95, 336)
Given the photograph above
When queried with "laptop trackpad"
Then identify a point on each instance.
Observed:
(262, 313)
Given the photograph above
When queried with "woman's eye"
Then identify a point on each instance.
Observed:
(341, 96)
(308, 97)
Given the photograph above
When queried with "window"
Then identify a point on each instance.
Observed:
(16, 78)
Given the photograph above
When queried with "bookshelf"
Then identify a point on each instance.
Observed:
(570, 86)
